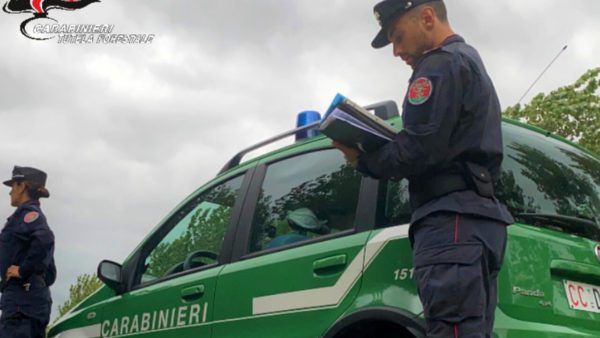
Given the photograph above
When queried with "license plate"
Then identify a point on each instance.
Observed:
(582, 296)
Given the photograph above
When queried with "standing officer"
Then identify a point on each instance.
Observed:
(26, 259)
(450, 150)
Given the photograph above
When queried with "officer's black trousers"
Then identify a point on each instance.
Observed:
(457, 259)
(20, 325)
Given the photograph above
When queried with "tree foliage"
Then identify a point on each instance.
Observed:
(568, 185)
(571, 111)
(204, 230)
(86, 284)
(331, 197)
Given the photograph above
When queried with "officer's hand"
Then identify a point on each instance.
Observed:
(12, 272)
(351, 154)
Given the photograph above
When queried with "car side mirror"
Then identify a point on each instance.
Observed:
(110, 273)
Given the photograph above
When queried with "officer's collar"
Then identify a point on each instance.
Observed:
(23, 206)
(450, 39)
(31, 202)
(28, 203)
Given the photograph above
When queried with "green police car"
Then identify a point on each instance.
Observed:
(296, 243)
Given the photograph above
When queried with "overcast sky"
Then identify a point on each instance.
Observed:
(125, 132)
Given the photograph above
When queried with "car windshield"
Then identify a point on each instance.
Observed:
(542, 175)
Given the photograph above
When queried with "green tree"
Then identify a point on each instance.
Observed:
(86, 284)
(330, 196)
(205, 230)
(571, 111)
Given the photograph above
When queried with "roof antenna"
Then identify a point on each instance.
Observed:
(543, 72)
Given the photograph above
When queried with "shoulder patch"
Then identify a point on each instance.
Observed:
(420, 91)
(31, 216)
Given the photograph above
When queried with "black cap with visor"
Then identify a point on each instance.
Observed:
(386, 13)
(32, 175)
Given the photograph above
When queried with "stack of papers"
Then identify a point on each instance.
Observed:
(352, 125)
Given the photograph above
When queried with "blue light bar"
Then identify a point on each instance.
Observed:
(306, 118)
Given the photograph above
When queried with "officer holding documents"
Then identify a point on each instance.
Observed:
(450, 150)
(26, 258)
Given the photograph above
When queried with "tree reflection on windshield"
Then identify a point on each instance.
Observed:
(548, 177)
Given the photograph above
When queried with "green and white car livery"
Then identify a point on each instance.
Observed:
(296, 243)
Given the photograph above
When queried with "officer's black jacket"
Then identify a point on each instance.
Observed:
(26, 241)
(459, 121)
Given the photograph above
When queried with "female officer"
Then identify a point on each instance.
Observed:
(26, 259)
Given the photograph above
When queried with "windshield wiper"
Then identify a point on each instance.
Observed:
(570, 224)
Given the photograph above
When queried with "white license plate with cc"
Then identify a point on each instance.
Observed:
(582, 296)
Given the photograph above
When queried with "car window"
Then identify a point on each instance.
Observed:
(196, 235)
(393, 207)
(304, 197)
(542, 175)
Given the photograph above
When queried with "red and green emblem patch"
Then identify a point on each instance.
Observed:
(420, 91)
(31, 216)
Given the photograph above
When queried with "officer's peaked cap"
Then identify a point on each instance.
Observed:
(32, 175)
(386, 12)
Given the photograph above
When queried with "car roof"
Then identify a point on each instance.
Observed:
(234, 167)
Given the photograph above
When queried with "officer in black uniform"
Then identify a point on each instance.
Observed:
(26, 259)
(450, 150)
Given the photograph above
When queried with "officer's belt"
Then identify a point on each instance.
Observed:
(35, 281)
(428, 187)
(425, 190)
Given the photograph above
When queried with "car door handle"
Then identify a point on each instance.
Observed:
(330, 265)
(193, 292)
